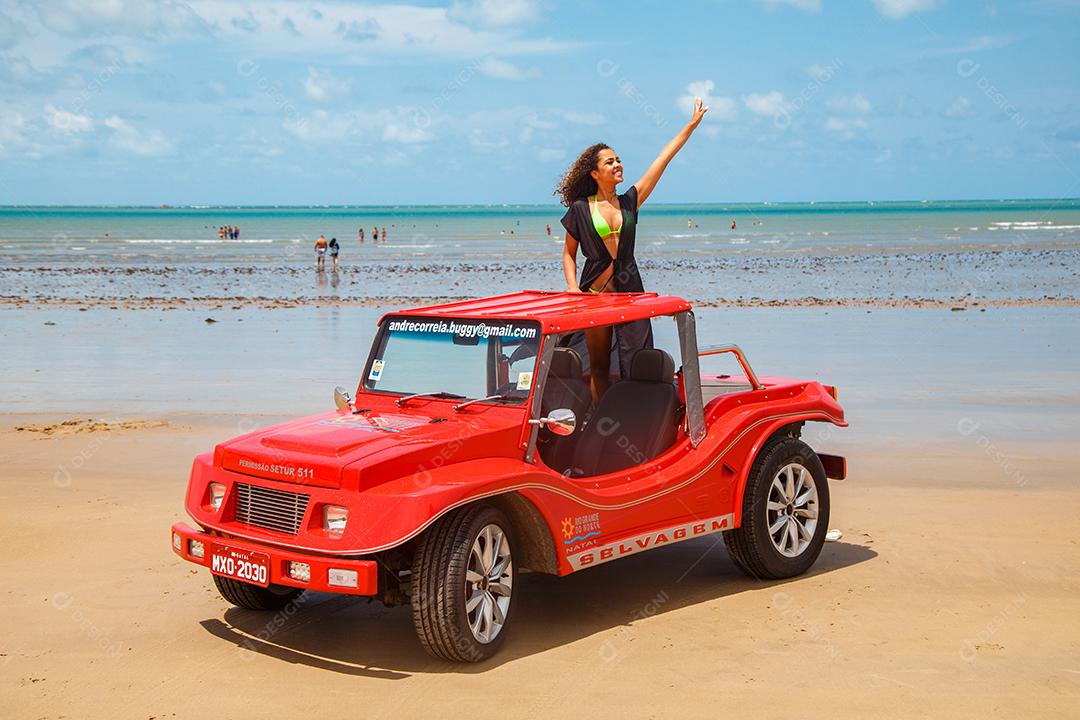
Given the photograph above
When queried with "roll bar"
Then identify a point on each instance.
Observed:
(738, 353)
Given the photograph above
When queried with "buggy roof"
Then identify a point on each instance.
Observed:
(558, 311)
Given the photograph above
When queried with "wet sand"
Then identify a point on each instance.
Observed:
(950, 594)
(1043, 274)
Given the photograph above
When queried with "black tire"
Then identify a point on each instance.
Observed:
(438, 591)
(750, 545)
(253, 597)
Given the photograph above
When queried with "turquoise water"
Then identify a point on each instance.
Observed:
(518, 232)
(993, 250)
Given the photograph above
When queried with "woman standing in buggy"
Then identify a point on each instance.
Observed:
(601, 223)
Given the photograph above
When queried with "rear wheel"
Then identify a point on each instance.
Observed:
(785, 512)
(253, 597)
(462, 582)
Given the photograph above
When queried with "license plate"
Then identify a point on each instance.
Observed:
(246, 565)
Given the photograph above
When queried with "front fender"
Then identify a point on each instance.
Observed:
(397, 511)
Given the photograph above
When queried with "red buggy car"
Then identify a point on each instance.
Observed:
(473, 451)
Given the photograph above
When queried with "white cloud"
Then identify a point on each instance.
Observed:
(808, 5)
(900, 9)
(846, 127)
(348, 32)
(247, 23)
(67, 122)
(855, 104)
(960, 107)
(402, 129)
(503, 70)
(494, 13)
(12, 125)
(289, 26)
(100, 57)
(720, 107)
(771, 104)
(400, 125)
(321, 85)
(359, 31)
(136, 18)
(10, 31)
(976, 44)
(319, 126)
(485, 141)
(127, 138)
(19, 70)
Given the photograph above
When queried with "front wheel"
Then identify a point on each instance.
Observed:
(253, 597)
(785, 512)
(462, 583)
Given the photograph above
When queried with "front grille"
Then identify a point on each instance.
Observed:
(270, 509)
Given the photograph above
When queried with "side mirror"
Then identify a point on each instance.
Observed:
(561, 421)
(342, 398)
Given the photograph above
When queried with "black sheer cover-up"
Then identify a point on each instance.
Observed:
(629, 337)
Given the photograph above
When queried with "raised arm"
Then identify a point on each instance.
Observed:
(648, 181)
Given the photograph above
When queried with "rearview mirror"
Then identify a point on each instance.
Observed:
(561, 421)
(342, 398)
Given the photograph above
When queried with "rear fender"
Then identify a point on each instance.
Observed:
(773, 429)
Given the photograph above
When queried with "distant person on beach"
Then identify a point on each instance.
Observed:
(384, 233)
(360, 235)
(320, 253)
(549, 229)
(334, 249)
(236, 233)
(375, 235)
(221, 233)
(602, 224)
(732, 224)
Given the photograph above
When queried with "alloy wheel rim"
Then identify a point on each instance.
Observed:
(489, 581)
(792, 510)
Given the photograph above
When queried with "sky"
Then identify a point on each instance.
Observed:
(146, 102)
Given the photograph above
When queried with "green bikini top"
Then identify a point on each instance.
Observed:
(600, 223)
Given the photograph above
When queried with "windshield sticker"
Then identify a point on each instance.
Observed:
(376, 370)
(464, 329)
(524, 380)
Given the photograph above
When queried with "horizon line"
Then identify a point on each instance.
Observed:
(233, 206)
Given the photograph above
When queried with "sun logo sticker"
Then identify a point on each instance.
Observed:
(580, 532)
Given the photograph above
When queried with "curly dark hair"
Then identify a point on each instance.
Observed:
(577, 182)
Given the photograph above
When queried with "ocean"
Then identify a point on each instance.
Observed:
(705, 251)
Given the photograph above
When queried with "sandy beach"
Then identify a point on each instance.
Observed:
(206, 208)
(948, 595)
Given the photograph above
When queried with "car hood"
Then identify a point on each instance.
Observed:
(317, 450)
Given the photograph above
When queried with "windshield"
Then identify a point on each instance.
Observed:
(461, 358)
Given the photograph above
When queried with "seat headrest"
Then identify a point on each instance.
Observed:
(566, 363)
(652, 365)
